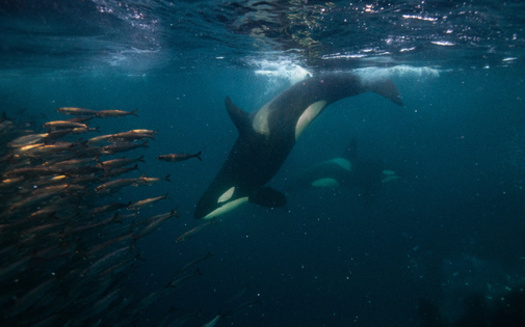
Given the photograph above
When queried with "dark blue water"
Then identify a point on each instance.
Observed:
(449, 228)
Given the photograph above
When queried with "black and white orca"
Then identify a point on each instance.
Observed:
(348, 171)
(267, 136)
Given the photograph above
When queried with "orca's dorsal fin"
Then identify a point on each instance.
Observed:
(240, 118)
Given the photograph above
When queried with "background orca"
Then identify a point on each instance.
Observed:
(348, 170)
(267, 136)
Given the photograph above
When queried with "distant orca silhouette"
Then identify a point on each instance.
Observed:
(267, 136)
(347, 170)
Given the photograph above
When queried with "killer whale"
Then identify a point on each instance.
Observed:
(347, 171)
(267, 136)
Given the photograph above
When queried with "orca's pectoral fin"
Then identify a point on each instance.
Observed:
(268, 197)
(240, 118)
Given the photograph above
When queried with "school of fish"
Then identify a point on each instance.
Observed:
(67, 248)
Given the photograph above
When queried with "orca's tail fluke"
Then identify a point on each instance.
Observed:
(388, 89)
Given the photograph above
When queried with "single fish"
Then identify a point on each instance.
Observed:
(176, 157)
(152, 223)
(144, 131)
(108, 207)
(41, 149)
(194, 263)
(149, 201)
(32, 172)
(99, 139)
(122, 147)
(194, 230)
(76, 111)
(151, 180)
(57, 134)
(116, 113)
(212, 322)
(116, 163)
(70, 164)
(64, 124)
(130, 136)
(27, 140)
(117, 184)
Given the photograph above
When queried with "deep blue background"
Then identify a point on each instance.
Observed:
(453, 224)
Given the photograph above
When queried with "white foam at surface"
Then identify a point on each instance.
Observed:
(284, 69)
(280, 73)
(375, 73)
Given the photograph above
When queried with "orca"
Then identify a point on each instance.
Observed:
(347, 170)
(334, 172)
(267, 136)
